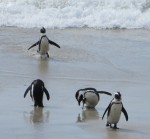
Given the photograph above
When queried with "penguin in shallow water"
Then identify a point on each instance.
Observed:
(89, 96)
(44, 43)
(37, 89)
(114, 111)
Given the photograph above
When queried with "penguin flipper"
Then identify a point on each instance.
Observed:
(53, 43)
(104, 92)
(34, 45)
(125, 113)
(27, 90)
(80, 99)
(46, 93)
(106, 110)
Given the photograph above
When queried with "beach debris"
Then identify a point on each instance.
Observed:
(43, 43)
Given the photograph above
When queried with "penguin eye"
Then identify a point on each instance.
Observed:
(117, 96)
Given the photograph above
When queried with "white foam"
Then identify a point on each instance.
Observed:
(75, 13)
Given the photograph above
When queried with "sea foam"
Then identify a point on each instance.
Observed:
(128, 14)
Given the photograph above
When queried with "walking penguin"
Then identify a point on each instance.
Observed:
(44, 43)
(114, 111)
(37, 89)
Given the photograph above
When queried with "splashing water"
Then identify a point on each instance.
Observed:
(76, 13)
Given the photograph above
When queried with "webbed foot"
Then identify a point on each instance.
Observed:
(107, 124)
(115, 126)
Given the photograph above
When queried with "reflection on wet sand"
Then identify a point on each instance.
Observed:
(87, 115)
(43, 66)
(37, 116)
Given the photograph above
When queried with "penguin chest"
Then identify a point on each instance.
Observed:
(91, 99)
(44, 46)
(114, 114)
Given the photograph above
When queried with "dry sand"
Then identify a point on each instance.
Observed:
(110, 60)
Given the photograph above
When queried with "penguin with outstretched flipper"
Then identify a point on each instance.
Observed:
(44, 43)
(89, 96)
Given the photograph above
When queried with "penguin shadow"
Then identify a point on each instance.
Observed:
(88, 114)
(37, 116)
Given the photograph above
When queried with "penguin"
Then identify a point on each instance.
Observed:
(37, 89)
(89, 96)
(44, 43)
(114, 111)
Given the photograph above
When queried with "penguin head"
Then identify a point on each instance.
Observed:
(118, 96)
(77, 95)
(80, 99)
(43, 30)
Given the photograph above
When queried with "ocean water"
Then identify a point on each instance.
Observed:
(104, 14)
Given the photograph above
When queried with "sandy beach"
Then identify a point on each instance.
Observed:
(108, 60)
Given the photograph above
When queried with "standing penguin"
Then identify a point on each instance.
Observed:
(89, 96)
(37, 89)
(114, 111)
(44, 43)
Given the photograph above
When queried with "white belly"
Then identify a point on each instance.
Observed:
(44, 46)
(91, 99)
(114, 114)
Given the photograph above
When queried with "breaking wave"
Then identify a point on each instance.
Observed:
(101, 14)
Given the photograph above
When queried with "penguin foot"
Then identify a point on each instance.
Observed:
(107, 124)
(41, 106)
(115, 127)
(35, 105)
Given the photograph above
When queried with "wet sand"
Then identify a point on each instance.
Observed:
(110, 60)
